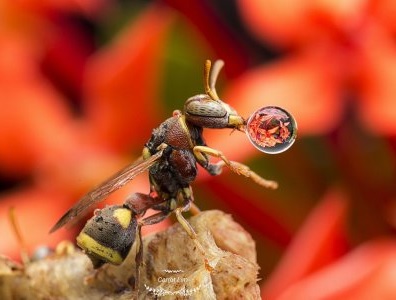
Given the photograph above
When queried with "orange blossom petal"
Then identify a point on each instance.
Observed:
(318, 242)
(368, 272)
(122, 82)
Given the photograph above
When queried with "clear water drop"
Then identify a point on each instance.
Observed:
(271, 129)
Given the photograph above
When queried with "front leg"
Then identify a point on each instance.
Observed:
(201, 153)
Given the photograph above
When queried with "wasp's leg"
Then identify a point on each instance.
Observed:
(185, 199)
(185, 202)
(193, 235)
(244, 170)
(239, 168)
(153, 219)
(187, 227)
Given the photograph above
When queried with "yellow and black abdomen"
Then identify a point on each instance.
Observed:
(108, 235)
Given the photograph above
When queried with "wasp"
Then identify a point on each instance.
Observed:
(171, 157)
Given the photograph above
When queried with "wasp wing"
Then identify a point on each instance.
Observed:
(112, 184)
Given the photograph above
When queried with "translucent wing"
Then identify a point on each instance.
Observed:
(112, 184)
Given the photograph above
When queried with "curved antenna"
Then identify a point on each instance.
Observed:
(210, 77)
(217, 66)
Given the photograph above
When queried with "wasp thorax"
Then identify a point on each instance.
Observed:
(108, 235)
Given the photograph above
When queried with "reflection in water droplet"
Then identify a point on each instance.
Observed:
(271, 129)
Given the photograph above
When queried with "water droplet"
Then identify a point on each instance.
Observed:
(271, 129)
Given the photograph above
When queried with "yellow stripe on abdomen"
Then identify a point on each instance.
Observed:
(90, 245)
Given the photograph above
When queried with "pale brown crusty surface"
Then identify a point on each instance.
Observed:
(173, 268)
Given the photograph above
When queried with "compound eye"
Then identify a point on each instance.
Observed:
(205, 107)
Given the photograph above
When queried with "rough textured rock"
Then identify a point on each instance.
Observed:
(173, 268)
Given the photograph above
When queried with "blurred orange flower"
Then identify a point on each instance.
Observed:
(318, 243)
(317, 264)
(83, 84)
(364, 273)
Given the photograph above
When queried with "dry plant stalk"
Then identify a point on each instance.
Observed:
(173, 268)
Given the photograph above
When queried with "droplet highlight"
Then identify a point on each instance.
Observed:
(271, 129)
